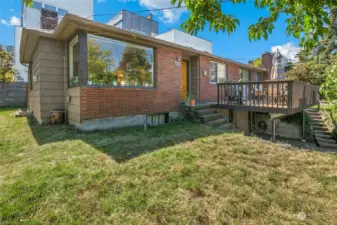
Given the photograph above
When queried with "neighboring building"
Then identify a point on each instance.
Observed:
(275, 64)
(147, 26)
(136, 23)
(46, 14)
(187, 40)
(10, 49)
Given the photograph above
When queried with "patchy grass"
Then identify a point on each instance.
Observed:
(181, 173)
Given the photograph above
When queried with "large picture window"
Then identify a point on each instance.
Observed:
(116, 63)
(218, 73)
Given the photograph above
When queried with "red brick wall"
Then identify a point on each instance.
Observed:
(113, 102)
(208, 91)
(233, 72)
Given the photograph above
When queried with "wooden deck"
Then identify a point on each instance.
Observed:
(286, 97)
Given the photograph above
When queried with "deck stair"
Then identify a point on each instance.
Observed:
(322, 134)
(207, 114)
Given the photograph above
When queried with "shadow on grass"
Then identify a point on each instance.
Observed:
(126, 143)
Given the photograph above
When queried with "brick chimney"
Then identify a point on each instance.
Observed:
(267, 63)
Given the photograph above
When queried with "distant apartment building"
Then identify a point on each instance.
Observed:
(275, 63)
(181, 38)
(46, 14)
(136, 23)
(10, 49)
(147, 26)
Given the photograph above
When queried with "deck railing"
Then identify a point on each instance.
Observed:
(285, 97)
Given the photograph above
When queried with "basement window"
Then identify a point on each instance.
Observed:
(158, 119)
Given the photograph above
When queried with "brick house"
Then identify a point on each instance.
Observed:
(106, 77)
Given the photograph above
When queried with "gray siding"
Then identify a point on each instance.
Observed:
(48, 89)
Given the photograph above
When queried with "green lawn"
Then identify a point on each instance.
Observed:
(181, 173)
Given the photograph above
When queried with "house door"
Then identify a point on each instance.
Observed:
(184, 72)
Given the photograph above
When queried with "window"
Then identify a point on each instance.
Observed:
(74, 61)
(116, 63)
(37, 5)
(62, 12)
(218, 73)
(244, 74)
(49, 7)
(258, 77)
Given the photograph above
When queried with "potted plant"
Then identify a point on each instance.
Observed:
(190, 100)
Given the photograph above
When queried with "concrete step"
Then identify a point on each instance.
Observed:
(316, 117)
(203, 112)
(329, 141)
(203, 106)
(319, 125)
(320, 128)
(322, 132)
(217, 122)
(209, 117)
(323, 136)
(327, 145)
(312, 110)
(314, 113)
(225, 126)
(319, 122)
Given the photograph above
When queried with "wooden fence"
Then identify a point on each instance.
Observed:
(13, 94)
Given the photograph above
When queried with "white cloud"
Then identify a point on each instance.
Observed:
(288, 50)
(12, 10)
(14, 21)
(101, 1)
(167, 15)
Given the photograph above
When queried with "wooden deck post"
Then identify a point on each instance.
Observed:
(273, 125)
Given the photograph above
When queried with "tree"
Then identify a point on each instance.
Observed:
(27, 2)
(6, 66)
(136, 65)
(305, 19)
(315, 64)
(289, 66)
(100, 63)
(257, 62)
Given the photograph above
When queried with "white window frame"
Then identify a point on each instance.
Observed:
(72, 43)
(241, 74)
(218, 72)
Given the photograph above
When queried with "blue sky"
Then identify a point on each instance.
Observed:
(236, 46)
